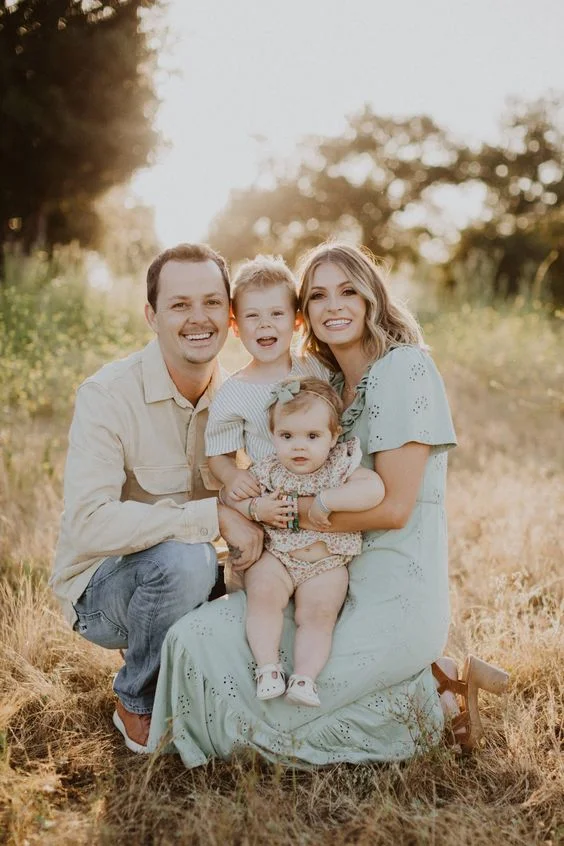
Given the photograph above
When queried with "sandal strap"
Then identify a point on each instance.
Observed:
(307, 680)
(269, 668)
(448, 683)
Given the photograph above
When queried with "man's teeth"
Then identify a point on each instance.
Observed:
(340, 322)
(202, 336)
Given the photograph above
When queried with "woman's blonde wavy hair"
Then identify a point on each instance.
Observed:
(388, 323)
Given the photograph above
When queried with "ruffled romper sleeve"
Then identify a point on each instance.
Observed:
(406, 401)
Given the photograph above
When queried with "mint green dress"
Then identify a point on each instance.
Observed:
(378, 697)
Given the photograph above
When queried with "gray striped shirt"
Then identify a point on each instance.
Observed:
(237, 417)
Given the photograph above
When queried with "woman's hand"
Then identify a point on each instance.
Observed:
(318, 518)
(241, 485)
(274, 511)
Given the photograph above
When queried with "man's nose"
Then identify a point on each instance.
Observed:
(197, 314)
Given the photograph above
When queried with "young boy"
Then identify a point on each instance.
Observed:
(264, 301)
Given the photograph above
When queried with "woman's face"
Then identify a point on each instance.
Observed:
(336, 311)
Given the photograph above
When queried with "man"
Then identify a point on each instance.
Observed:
(135, 552)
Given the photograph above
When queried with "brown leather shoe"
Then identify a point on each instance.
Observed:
(134, 727)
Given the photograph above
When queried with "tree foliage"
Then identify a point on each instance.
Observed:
(381, 182)
(76, 111)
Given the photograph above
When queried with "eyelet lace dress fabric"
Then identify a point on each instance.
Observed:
(379, 701)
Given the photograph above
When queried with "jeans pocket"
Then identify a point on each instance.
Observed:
(98, 629)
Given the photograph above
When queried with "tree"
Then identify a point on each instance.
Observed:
(522, 224)
(362, 181)
(76, 109)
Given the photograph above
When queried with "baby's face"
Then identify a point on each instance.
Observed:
(266, 320)
(302, 438)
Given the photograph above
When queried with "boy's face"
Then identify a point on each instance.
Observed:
(302, 438)
(265, 321)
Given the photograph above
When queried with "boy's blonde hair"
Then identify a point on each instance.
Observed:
(388, 323)
(264, 272)
(304, 390)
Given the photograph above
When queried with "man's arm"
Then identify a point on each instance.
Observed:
(96, 523)
(401, 471)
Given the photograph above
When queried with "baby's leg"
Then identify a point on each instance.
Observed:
(318, 602)
(269, 587)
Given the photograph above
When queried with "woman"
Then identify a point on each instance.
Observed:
(380, 700)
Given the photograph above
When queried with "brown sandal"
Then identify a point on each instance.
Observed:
(466, 727)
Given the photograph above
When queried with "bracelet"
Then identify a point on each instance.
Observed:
(294, 523)
(322, 504)
(253, 514)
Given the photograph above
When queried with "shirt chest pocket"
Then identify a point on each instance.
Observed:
(150, 484)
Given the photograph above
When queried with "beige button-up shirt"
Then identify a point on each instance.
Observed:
(136, 472)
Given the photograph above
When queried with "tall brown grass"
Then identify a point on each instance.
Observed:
(65, 777)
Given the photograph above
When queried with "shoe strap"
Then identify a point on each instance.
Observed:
(269, 668)
(448, 683)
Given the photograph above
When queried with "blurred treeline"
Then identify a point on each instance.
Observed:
(486, 221)
(77, 104)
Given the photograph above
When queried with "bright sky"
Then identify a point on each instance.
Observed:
(282, 70)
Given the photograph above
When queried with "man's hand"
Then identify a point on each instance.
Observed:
(243, 538)
(242, 485)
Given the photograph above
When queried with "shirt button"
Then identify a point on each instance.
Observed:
(203, 532)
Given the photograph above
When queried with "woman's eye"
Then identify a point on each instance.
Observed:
(349, 292)
(316, 296)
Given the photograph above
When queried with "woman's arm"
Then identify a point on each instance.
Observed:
(401, 471)
(363, 489)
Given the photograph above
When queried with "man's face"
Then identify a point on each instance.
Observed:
(192, 315)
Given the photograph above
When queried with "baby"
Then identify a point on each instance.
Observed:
(311, 565)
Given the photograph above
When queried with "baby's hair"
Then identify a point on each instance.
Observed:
(264, 272)
(309, 388)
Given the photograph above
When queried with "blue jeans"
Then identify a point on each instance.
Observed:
(132, 600)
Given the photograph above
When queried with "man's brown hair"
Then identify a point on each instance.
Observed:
(182, 252)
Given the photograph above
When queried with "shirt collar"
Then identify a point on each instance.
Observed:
(158, 385)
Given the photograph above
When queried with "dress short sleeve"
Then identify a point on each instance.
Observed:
(406, 401)
(225, 429)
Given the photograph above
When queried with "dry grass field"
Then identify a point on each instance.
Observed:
(65, 777)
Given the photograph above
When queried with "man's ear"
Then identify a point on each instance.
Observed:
(151, 317)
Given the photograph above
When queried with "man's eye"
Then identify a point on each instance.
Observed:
(214, 302)
(178, 306)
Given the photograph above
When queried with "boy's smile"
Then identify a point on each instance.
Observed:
(265, 321)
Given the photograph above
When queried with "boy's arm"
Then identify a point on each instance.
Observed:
(239, 484)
